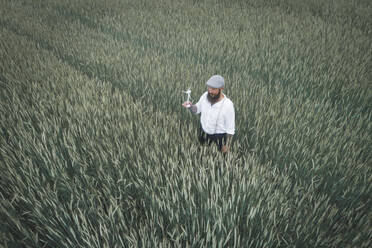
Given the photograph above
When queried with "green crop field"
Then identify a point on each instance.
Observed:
(97, 151)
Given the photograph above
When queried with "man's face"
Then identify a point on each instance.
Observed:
(213, 94)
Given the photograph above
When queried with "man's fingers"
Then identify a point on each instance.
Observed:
(186, 104)
(225, 149)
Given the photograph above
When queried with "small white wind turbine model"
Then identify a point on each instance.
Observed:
(188, 92)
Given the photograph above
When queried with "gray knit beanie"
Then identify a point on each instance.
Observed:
(216, 81)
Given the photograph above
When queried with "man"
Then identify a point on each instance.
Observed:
(217, 115)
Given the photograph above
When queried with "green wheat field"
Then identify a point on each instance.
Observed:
(97, 151)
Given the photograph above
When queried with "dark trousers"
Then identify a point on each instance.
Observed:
(219, 138)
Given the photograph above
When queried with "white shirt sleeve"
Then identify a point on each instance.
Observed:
(199, 103)
(230, 119)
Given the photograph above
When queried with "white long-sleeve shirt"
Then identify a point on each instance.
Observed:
(216, 118)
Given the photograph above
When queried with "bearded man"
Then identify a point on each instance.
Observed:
(217, 115)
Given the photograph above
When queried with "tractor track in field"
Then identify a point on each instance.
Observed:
(70, 60)
(79, 65)
(142, 43)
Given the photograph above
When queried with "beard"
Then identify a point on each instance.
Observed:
(213, 99)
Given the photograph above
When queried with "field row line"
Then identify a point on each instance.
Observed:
(73, 61)
(142, 43)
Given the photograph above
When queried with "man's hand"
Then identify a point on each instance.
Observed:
(224, 149)
(187, 104)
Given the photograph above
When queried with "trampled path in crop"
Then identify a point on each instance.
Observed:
(62, 13)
